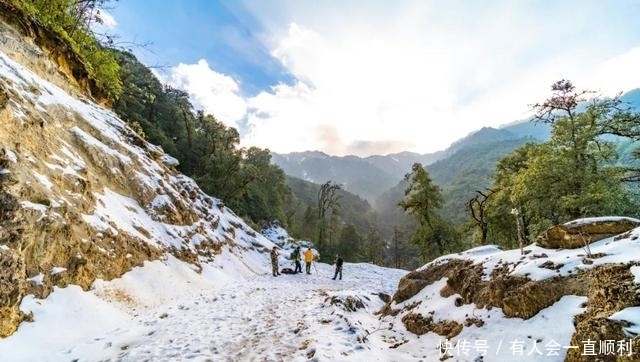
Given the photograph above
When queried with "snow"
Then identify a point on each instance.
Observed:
(43, 180)
(276, 234)
(33, 206)
(570, 261)
(635, 270)
(220, 314)
(89, 140)
(11, 156)
(115, 209)
(589, 220)
(63, 321)
(630, 315)
(171, 161)
(38, 279)
(57, 270)
(551, 326)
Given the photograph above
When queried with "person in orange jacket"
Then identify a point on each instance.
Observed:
(308, 259)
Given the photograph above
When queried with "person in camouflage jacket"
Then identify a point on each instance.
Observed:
(274, 261)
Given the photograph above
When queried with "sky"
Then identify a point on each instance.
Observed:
(378, 77)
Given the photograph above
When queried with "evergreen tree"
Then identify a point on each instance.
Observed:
(434, 235)
(374, 247)
(350, 244)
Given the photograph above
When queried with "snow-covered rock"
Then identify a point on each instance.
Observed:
(83, 197)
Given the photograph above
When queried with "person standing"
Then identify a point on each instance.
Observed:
(296, 258)
(308, 259)
(338, 263)
(274, 261)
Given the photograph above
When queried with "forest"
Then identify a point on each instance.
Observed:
(577, 173)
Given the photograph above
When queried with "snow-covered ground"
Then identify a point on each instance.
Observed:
(165, 311)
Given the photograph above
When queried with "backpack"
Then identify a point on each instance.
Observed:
(287, 271)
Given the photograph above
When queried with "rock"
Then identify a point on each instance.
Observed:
(578, 233)
(418, 324)
(349, 303)
(12, 289)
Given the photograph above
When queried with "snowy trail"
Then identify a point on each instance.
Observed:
(285, 318)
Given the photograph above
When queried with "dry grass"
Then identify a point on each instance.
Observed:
(117, 295)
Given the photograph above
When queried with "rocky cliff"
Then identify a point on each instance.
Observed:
(83, 197)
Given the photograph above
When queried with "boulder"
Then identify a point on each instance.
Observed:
(578, 233)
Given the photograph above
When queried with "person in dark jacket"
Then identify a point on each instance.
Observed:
(274, 261)
(296, 258)
(338, 263)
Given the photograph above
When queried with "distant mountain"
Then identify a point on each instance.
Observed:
(541, 131)
(400, 163)
(529, 129)
(483, 136)
(354, 209)
(470, 158)
(468, 169)
(632, 98)
(372, 176)
(367, 177)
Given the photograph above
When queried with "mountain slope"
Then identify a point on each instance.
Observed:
(459, 175)
(353, 209)
(400, 163)
(85, 198)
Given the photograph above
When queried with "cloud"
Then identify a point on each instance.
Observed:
(424, 74)
(367, 148)
(106, 19)
(416, 75)
(616, 74)
(213, 92)
(102, 21)
(329, 139)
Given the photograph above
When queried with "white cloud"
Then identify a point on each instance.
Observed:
(106, 19)
(213, 92)
(617, 74)
(416, 76)
(102, 21)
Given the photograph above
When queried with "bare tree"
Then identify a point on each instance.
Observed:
(562, 103)
(327, 204)
(477, 207)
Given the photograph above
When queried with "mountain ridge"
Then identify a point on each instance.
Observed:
(394, 166)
